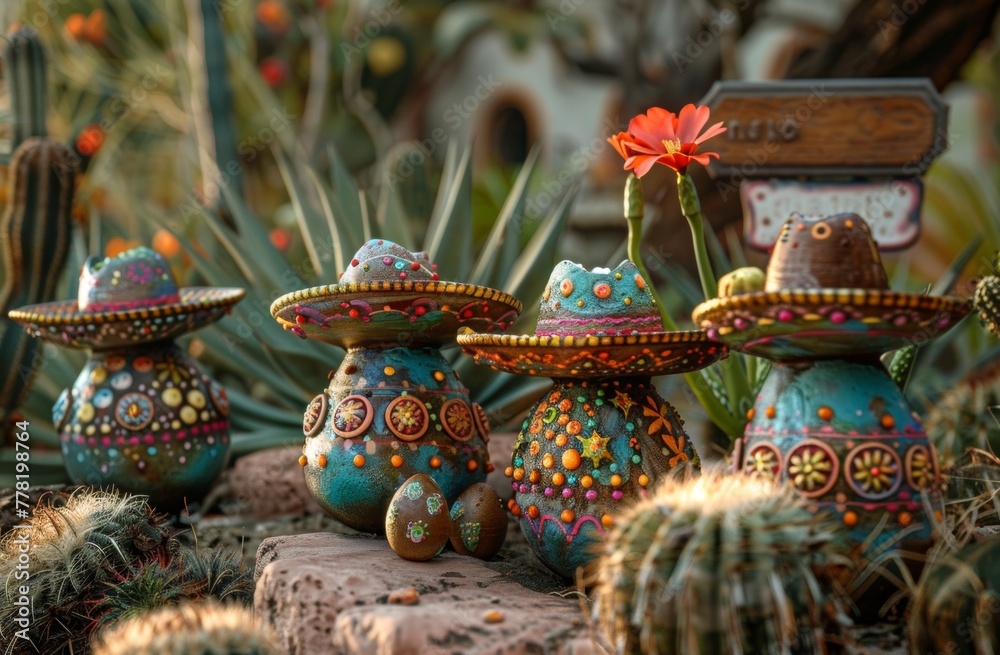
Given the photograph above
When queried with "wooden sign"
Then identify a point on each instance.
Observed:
(827, 128)
(891, 208)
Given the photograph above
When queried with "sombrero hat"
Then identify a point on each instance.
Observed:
(391, 296)
(595, 324)
(826, 295)
(124, 300)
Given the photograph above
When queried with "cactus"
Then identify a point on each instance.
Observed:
(987, 301)
(35, 233)
(171, 579)
(717, 564)
(212, 100)
(188, 629)
(102, 559)
(956, 605)
(902, 365)
(74, 553)
(961, 418)
(24, 61)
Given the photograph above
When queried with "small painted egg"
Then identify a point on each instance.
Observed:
(417, 524)
(478, 522)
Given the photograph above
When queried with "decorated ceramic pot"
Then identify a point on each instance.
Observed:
(395, 407)
(602, 435)
(828, 418)
(141, 416)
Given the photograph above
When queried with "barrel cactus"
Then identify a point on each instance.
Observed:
(956, 605)
(717, 564)
(962, 417)
(188, 629)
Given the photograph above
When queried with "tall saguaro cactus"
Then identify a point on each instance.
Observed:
(24, 63)
(36, 225)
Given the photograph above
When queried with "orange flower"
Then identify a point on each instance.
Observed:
(660, 136)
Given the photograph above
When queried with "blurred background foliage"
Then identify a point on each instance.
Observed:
(257, 142)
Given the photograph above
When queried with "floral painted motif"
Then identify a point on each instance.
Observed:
(470, 535)
(812, 468)
(352, 416)
(312, 419)
(407, 418)
(134, 411)
(434, 504)
(416, 531)
(660, 414)
(920, 467)
(169, 369)
(874, 471)
(764, 459)
(458, 421)
(414, 490)
(809, 469)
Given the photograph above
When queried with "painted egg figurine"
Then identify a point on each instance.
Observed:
(478, 522)
(141, 416)
(417, 524)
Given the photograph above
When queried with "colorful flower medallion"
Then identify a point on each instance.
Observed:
(828, 411)
(138, 416)
(602, 435)
(397, 408)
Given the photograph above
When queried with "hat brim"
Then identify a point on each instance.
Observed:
(644, 354)
(808, 323)
(394, 313)
(63, 322)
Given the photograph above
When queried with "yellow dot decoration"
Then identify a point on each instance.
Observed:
(196, 399)
(188, 414)
(172, 397)
(388, 370)
(566, 287)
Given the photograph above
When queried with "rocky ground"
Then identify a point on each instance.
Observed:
(326, 589)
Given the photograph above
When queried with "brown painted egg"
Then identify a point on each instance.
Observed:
(478, 522)
(417, 524)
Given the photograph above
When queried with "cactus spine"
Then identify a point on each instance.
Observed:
(24, 59)
(717, 564)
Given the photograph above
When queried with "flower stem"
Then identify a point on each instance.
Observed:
(733, 371)
(634, 211)
(691, 209)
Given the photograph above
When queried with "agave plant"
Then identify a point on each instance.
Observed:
(270, 372)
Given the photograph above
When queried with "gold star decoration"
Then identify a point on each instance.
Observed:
(595, 448)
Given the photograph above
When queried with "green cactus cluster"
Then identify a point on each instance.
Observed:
(717, 564)
(188, 629)
(958, 602)
(99, 559)
(961, 417)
